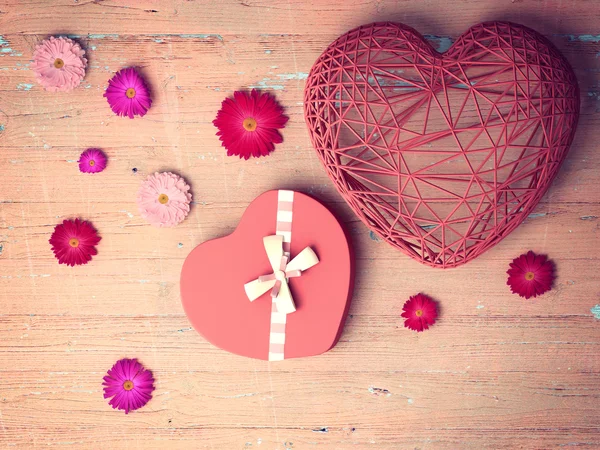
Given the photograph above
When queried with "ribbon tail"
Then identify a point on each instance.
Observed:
(256, 288)
(284, 300)
(303, 260)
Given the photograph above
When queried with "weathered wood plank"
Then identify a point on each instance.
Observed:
(496, 370)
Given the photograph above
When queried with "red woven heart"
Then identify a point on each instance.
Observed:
(442, 155)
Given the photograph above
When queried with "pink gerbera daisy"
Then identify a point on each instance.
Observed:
(59, 64)
(164, 200)
(129, 385)
(73, 242)
(92, 161)
(127, 93)
(248, 124)
(420, 311)
(530, 275)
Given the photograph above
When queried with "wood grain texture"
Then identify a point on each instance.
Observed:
(495, 371)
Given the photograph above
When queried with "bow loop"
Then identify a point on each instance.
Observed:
(282, 270)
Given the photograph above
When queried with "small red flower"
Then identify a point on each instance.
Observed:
(420, 312)
(248, 124)
(530, 275)
(73, 242)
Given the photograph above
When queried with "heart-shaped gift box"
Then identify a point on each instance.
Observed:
(442, 155)
(278, 287)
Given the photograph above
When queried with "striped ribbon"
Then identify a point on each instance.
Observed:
(285, 203)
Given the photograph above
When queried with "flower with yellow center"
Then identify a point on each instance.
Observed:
(59, 63)
(163, 199)
(130, 93)
(74, 242)
(529, 276)
(419, 312)
(128, 385)
(249, 124)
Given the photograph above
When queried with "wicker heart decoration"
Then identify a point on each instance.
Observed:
(442, 155)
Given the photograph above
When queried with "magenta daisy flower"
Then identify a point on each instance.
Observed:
(59, 64)
(92, 161)
(129, 385)
(164, 199)
(127, 93)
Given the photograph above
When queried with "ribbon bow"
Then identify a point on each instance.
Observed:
(282, 270)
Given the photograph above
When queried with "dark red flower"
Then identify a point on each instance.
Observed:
(73, 242)
(420, 312)
(530, 275)
(248, 124)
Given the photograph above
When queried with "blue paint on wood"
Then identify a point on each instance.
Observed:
(596, 311)
(24, 86)
(581, 37)
(293, 76)
(440, 43)
(588, 38)
(267, 83)
(374, 237)
(102, 36)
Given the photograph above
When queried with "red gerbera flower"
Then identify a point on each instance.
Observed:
(420, 312)
(73, 242)
(530, 275)
(248, 124)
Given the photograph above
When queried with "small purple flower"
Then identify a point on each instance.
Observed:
(92, 161)
(129, 385)
(127, 94)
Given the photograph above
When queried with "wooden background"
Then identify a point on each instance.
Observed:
(496, 371)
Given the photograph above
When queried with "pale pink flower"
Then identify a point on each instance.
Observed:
(164, 200)
(59, 64)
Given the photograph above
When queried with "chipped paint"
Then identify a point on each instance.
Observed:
(596, 311)
(102, 36)
(536, 215)
(202, 36)
(2, 127)
(267, 83)
(321, 430)
(187, 36)
(268, 52)
(588, 217)
(379, 391)
(587, 38)
(374, 237)
(440, 43)
(180, 245)
(24, 86)
(293, 76)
